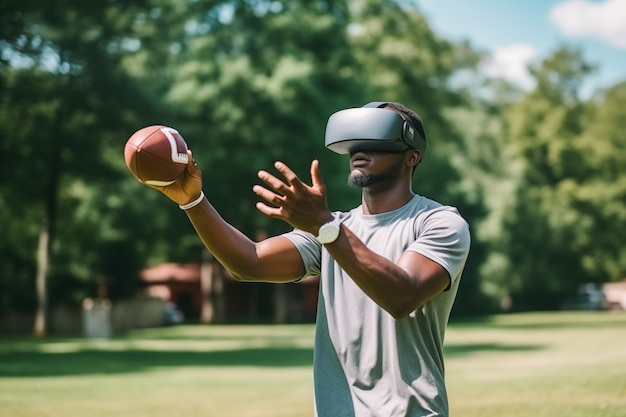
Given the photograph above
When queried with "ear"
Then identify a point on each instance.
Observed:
(414, 157)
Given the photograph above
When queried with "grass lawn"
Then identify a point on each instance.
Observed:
(539, 364)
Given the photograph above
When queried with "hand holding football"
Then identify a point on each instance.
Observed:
(156, 155)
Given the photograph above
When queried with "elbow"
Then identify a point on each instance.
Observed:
(398, 314)
(237, 276)
(241, 276)
(402, 310)
(248, 274)
(241, 272)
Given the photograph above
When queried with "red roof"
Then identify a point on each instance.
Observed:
(190, 272)
(171, 272)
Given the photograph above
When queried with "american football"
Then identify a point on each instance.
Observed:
(156, 155)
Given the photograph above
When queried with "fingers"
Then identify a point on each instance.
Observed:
(192, 170)
(290, 199)
(268, 211)
(268, 195)
(273, 182)
(282, 191)
(316, 177)
(289, 175)
(294, 184)
(192, 164)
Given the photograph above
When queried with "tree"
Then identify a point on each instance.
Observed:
(400, 58)
(597, 196)
(57, 114)
(275, 73)
(545, 128)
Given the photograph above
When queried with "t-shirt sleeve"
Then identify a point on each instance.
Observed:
(310, 251)
(444, 237)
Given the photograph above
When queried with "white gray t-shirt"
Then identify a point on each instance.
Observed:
(367, 363)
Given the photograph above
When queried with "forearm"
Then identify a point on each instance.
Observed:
(231, 248)
(272, 260)
(399, 288)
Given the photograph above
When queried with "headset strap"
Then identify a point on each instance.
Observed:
(408, 132)
(377, 104)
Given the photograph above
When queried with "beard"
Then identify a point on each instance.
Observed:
(359, 180)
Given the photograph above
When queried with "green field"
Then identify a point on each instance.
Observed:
(540, 364)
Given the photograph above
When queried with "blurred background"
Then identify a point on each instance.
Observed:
(524, 106)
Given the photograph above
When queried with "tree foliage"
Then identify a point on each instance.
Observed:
(539, 175)
(58, 118)
(554, 226)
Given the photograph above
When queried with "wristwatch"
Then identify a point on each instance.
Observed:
(329, 232)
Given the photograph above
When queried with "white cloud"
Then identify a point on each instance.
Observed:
(604, 20)
(511, 63)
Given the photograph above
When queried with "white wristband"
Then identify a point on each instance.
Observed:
(193, 203)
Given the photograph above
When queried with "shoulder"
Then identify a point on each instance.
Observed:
(442, 235)
(445, 215)
(431, 209)
(433, 218)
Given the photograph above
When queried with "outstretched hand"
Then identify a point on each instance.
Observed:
(187, 187)
(303, 206)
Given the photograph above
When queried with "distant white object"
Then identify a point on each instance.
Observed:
(615, 293)
(97, 318)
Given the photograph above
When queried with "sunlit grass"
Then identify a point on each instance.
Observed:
(557, 364)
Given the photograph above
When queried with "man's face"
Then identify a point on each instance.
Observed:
(372, 168)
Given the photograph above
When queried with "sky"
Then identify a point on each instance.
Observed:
(518, 32)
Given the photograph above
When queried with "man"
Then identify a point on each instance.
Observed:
(389, 269)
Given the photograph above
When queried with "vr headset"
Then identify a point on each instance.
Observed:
(371, 128)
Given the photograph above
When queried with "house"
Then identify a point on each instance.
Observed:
(208, 293)
(615, 293)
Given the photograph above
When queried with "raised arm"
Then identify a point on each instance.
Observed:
(399, 287)
(273, 260)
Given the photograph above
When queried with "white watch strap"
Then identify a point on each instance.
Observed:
(326, 228)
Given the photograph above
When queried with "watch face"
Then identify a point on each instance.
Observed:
(328, 233)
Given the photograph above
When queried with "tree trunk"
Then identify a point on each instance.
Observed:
(43, 260)
(281, 303)
(46, 236)
(207, 271)
(211, 285)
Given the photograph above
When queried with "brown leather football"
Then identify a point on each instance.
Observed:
(156, 155)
